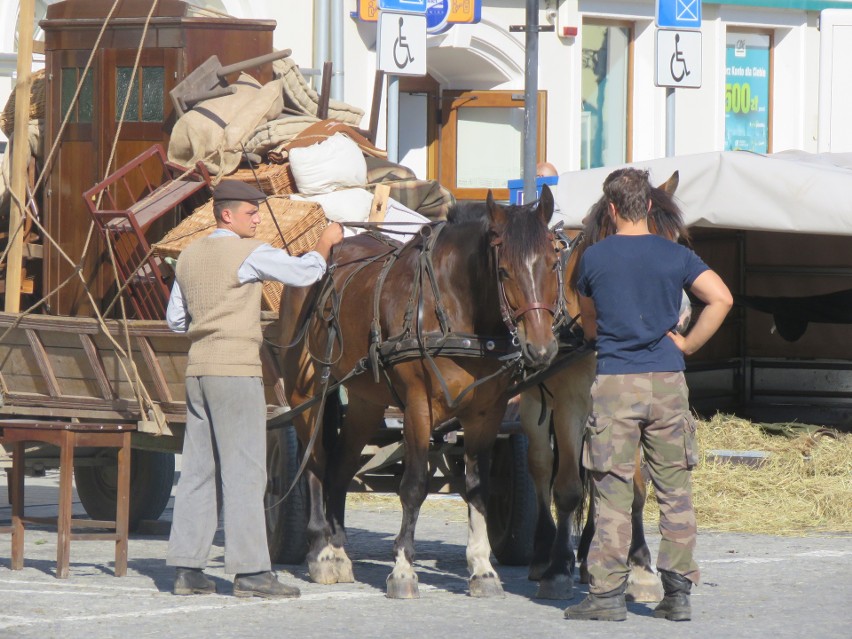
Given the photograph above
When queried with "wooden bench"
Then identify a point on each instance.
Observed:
(68, 436)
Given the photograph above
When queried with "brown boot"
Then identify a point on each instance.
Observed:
(262, 584)
(675, 605)
(607, 606)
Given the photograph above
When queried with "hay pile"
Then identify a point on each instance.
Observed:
(804, 486)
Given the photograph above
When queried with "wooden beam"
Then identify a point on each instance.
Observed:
(379, 208)
(20, 155)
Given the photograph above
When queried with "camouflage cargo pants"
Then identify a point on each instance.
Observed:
(651, 409)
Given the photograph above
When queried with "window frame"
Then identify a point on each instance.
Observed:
(479, 99)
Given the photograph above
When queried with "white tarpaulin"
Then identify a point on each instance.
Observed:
(791, 191)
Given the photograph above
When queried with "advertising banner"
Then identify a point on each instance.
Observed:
(747, 92)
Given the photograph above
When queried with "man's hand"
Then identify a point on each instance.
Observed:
(711, 290)
(331, 235)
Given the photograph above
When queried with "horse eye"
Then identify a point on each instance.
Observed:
(503, 273)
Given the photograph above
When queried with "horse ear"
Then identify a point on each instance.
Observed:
(545, 204)
(495, 211)
(670, 185)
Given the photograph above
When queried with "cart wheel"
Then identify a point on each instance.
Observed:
(511, 509)
(152, 475)
(287, 521)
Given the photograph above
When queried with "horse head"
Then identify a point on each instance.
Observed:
(526, 261)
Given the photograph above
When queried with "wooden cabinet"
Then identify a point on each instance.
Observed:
(178, 38)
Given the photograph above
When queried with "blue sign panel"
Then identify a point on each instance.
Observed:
(678, 14)
(403, 6)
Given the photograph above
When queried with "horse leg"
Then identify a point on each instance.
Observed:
(360, 424)
(643, 585)
(586, 536)
(402, 581)
(299, 370)
(535, 420)
(571, 405)
(480, 427)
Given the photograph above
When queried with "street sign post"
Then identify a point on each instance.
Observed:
(678, 14)
(678, 56)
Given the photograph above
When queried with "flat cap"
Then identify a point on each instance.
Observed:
(236, 190)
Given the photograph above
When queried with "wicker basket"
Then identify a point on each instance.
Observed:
(301, 225)
(272, 179)
(7, 117)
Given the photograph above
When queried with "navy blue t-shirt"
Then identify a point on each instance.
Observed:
(636, 283)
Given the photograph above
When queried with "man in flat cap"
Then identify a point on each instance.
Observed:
(216, 302)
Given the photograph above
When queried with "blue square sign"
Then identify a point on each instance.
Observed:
(403, 6)
(678, 14)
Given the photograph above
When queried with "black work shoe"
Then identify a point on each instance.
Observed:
(262, 584)
(192, 581)
(674, 608)
(609, 606)
(675, 605)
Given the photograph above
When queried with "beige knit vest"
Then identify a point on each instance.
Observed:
(224, 315)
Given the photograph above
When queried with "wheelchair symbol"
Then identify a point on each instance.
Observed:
(398, 44)
(677, 56)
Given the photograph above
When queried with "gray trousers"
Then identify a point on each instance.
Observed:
(225, 431)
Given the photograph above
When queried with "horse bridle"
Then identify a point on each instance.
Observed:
(512, 316)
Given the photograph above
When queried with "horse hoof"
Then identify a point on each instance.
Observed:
(344, 573)
(323, 572)
(558, 587)
(402, 588)
(643, 586)
(486, 587)
(536, 571)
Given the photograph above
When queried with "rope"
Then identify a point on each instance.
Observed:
(141, 395)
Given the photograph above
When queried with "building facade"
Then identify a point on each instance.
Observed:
(764, 67)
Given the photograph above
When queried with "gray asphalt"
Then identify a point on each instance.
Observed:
(752, 586)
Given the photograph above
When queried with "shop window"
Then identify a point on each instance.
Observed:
(82, 110)
(605, 86)
(149, 83)
(747, 91)
(482, 141)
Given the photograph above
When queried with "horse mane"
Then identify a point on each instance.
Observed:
(665, 219)
(521, 225)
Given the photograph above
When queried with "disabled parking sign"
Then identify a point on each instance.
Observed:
(402, 43)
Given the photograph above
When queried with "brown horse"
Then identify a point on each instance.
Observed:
(565, 397)
(440, 326)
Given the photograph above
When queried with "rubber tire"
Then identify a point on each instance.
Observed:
(511, 508)
(152, 475)
(287, 522)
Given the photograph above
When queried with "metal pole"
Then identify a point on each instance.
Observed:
(337, 15)
(320, 35)
(393, 118)
(670, 122)
(531, 101)
(20, 156)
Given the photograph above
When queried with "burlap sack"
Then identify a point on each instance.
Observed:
(214, 130)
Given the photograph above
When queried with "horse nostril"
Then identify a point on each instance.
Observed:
(539, 356)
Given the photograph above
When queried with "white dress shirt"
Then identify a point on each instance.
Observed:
(264, 263)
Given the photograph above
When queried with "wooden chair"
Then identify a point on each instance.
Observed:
(139, 270)
(68, 436)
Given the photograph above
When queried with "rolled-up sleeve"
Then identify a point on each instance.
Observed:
(269, 263)
(177, 316)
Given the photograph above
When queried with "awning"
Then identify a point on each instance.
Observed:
(792, 191)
